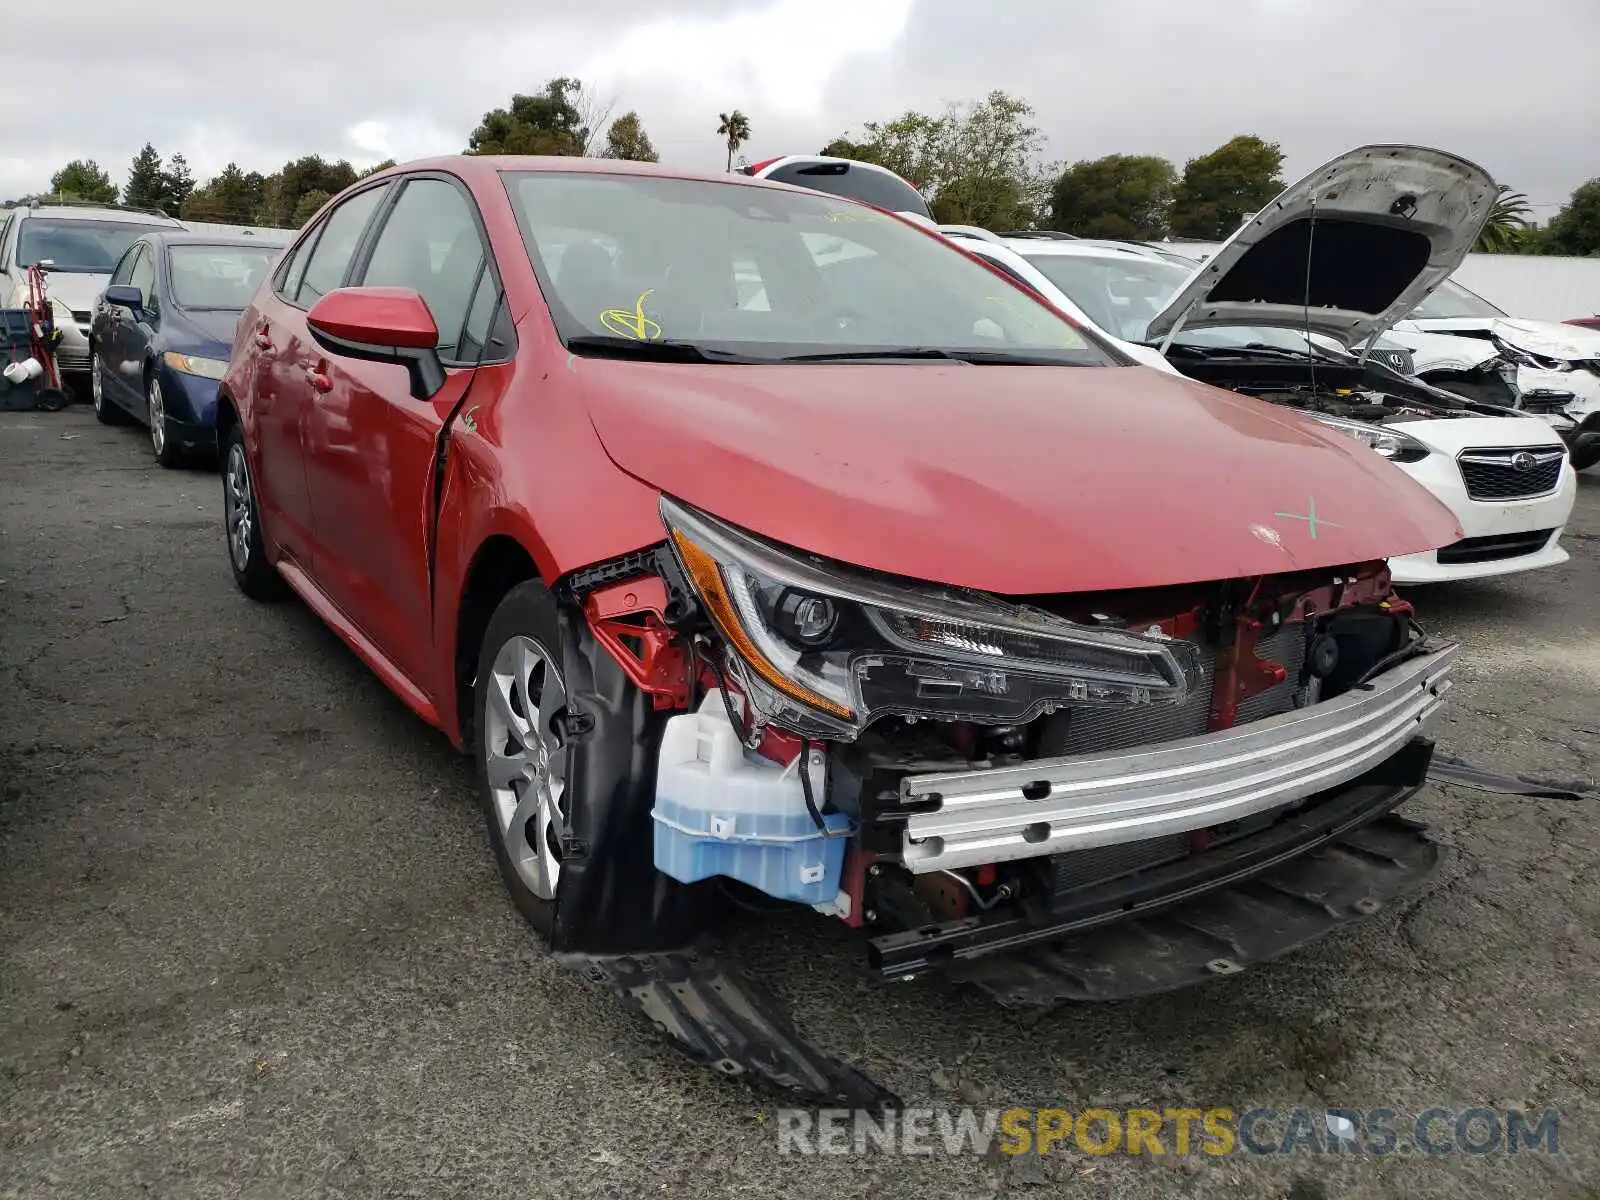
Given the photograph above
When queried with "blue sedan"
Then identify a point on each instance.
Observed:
(162, 333)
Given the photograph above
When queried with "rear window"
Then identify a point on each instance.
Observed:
(854, 182)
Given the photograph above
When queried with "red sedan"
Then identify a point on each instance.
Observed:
(755, 539)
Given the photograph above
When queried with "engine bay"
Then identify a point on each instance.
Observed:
(1349, 391)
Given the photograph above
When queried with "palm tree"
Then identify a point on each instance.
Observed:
(735, 127)
(1507, 219)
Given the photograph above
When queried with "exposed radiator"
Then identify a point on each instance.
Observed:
(1085, 730)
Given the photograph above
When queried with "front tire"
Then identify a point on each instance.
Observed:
(105, 409)
(1584, 459)
(168, 453)
(522, 765)
(247, 551)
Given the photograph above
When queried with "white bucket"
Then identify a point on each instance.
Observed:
(22, 372)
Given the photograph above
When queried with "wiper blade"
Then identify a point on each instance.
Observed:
(1252, 350)
(981, 358)
(604, 346)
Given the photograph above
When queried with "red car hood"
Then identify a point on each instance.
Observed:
(1016, 480)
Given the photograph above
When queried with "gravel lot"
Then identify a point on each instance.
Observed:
(252, 942)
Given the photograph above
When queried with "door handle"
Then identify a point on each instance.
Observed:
(318, 379)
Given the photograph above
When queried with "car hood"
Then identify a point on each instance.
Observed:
(1549, 339)
(1347, 251)
(1015, 480)
(207, 332)
(74, 290)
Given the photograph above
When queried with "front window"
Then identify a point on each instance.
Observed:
(1120, 294)
(1453, 302)
(753, 274)
(219, 277)
(75, 246)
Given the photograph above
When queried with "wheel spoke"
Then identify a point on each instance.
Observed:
(500, 701)
(505, 769)
(528, 841)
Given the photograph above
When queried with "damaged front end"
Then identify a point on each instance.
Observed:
(978, 783)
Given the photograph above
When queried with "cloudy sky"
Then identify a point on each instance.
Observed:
(1515, 87)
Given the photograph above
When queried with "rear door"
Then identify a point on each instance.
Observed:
(370, 443)
(285, 356)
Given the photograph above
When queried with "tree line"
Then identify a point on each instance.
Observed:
(979, 163)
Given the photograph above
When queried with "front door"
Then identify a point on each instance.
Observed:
(370, 443)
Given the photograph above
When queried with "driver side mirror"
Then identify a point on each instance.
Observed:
(381, 324)
(125, 295)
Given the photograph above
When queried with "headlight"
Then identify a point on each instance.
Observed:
(1525, 358)
(1392, 444)
(825, 648)
(206, 368)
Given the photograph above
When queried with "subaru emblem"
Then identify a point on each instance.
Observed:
(1523, 461)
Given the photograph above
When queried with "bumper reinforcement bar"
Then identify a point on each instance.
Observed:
(1051, 806)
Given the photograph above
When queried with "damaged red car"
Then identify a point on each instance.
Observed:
(755, 539)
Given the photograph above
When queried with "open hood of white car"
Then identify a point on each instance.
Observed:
(1347, 251)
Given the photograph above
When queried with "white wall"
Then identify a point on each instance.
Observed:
(1529, 285)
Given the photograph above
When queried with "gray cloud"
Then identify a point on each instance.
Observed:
(1515, 89)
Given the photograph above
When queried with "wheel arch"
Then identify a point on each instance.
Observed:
(499, 563)
(227, 417)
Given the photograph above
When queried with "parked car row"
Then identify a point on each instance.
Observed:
(146, 310)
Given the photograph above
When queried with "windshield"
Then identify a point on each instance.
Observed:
(765, 275)
(1121, 294)
(75, 245)
(1452, 302)
(221, 277)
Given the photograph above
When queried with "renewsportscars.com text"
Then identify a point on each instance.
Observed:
(1375, 1132)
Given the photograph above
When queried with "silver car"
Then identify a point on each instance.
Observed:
(82, 243)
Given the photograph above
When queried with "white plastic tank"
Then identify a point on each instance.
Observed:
(721, 810)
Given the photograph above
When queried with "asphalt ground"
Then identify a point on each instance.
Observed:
(252, 942)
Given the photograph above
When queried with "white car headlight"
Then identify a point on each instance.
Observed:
(189, 364)
(1526, 358)
(1391, 443)
(825, 648)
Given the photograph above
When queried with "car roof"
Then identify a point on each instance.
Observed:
(184, 237)
(1083, 248)
(784, 160)
(483, 166)
(87, 212)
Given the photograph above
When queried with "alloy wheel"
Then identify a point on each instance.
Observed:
(158, 418)
(238, 506)
(524, 761)
(97, 393)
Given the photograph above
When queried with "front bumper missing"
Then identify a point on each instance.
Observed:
(1245, 901)
(1052, 806)
(1223, 932)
